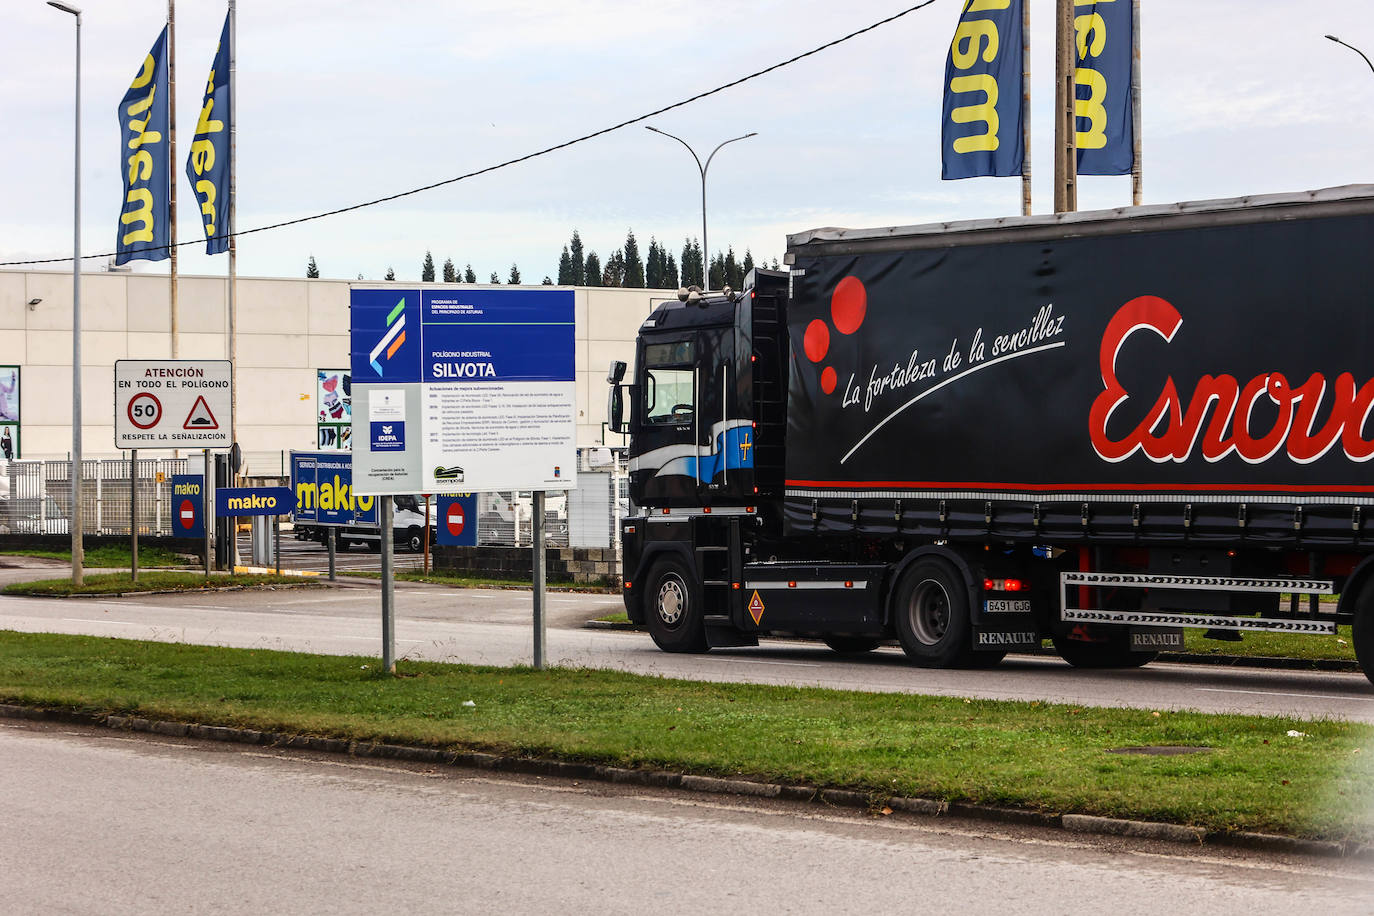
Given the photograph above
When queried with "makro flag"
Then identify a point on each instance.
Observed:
(208, 165)
(1102, 81)
(981, 129)
(144, 222)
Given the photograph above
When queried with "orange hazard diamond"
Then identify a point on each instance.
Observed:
(756, 608)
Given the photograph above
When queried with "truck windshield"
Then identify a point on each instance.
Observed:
(407, 503)
(669, 382)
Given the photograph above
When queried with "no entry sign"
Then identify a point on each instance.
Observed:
(458, 520)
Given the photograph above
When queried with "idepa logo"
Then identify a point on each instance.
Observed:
(392, 340)
(848, 306)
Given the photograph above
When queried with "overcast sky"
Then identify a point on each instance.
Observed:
(344, 101)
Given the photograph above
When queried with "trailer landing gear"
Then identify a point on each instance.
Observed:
(852, 645)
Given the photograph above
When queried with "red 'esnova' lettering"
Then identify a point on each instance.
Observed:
(1220, 410)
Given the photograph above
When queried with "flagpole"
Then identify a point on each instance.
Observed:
(1066, 122)
(233, 255)
(1137, 165)
(1025, 110)
(172, 160)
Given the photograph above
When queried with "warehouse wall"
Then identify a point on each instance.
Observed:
(287, 328)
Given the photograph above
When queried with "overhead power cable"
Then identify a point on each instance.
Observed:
(526, 158)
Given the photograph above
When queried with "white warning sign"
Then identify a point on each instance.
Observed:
(173, 403)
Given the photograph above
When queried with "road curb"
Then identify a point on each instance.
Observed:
(1187, 658)
(839, 798)
(311, 583)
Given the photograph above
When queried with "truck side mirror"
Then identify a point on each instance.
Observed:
(615, 409)
(617, 373)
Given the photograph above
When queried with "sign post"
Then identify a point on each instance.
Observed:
(209, 511)
(464, 390)
(133, 515)
(426, 534)
(388, 591)
(539, 571)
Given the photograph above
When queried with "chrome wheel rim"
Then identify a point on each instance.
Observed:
(928, 612)
(672, 600)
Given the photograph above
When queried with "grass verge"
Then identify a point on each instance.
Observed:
(1275, 645)
(149, 581)
(108, 555)
(1051, 757)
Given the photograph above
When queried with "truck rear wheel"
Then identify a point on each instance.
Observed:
(674, 612)
(930, 610)
(1362, 632)
(1115, 652)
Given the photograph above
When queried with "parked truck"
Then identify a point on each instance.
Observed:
(1097, 429)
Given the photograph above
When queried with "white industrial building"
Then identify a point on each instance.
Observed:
(287, 329)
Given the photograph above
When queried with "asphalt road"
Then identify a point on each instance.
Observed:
(99, 822)
(494, 627)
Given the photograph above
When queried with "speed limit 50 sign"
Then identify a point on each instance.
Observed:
(173, 403)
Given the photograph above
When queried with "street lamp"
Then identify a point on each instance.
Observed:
(75, 517)
(1351, 47)
(705, 249)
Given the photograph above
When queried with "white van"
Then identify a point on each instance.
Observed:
(408, 525)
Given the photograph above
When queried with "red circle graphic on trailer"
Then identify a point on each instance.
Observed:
(144, 410)
(186, 513)
(455, 520)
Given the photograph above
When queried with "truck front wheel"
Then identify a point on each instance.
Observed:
(674, 613)
(415, 538)
(930, 610)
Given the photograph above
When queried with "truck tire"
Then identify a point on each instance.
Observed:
(415, 538)
(1114, 653)
(930, 611)
(673, 609)
(852, 645)
(1362, 631)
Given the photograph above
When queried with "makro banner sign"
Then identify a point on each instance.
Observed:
(188, 506)
(145, 219)
(1102, 31)
(323, 486)
(208, 165)
(463, 390)
(981, 128)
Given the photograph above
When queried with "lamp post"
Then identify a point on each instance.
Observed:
(1351, 47)
(75, 516)
(705, 249)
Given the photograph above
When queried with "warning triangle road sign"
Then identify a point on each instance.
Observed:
(200, 416)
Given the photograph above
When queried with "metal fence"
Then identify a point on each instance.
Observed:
(35, 498)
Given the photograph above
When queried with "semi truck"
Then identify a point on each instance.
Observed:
(1092, 429)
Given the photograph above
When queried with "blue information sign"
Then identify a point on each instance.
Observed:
(188, 506)
(463, 388)
(253, 501)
